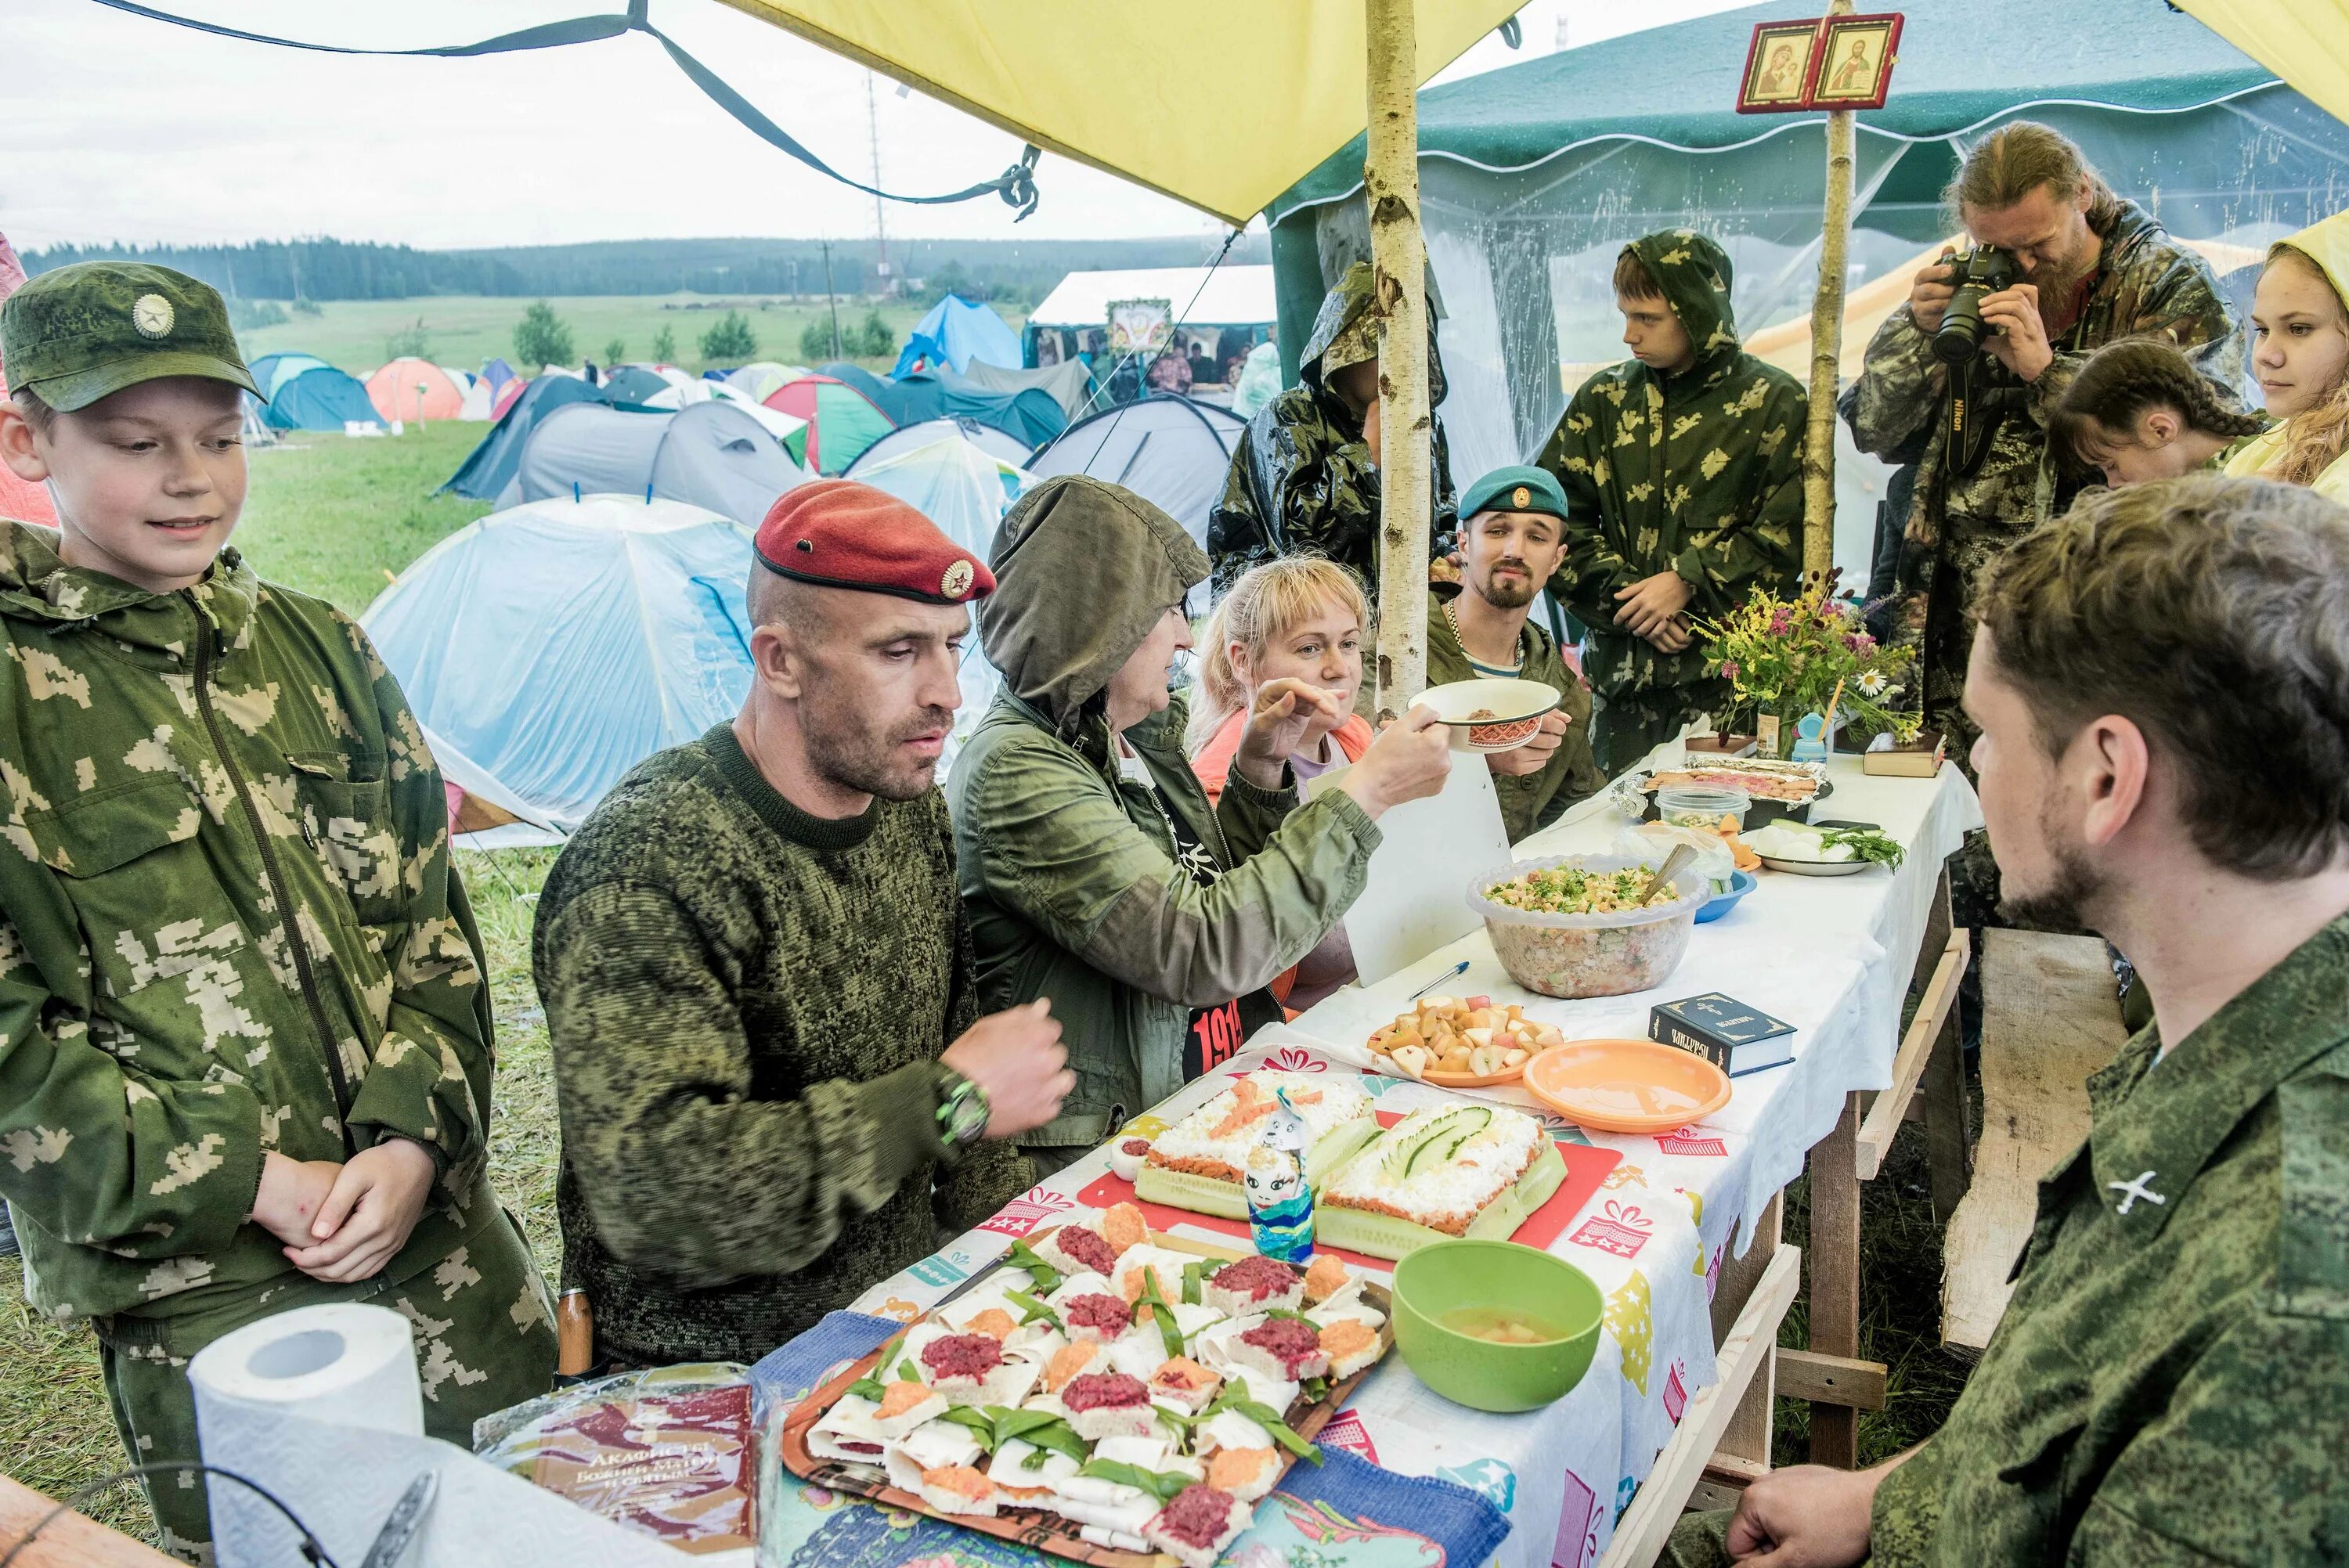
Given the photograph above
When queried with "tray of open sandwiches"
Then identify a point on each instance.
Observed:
(1106, 1394)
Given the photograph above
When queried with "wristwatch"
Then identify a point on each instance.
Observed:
(962, 1110)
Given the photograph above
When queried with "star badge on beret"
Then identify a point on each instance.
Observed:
(956, 582)
(1520, 498)
(152, 315)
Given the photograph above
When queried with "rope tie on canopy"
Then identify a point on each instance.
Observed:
(1015, 185)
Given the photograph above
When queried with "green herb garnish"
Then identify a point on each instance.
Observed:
(1235, 1397)
(1867, 843)
(1316, 1389)
(908, 1373)
(1292, 1316)
(983, 1429)
(1023, 1256)
(1162, 1485)
(1169, 1331)
(1030, 1309)
(868, 1388)
(1175, 1419)
(1048, 1433)
(1192, 1273)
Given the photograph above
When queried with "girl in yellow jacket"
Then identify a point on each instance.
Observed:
(2300, 353)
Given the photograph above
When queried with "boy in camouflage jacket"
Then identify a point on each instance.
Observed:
(244, 1035)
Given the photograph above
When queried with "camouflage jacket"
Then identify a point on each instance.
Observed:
(1698, 473)
(1301, 478)
(2170, 1383)
(1898, 408)
(190, 778)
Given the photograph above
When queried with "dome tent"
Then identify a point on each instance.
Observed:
(954, 333)
(305, 393)
(549, 648)
(905, 438)
(415, 389)
(1173, 452)
(842, 421)
(491, 466)
(714, 456)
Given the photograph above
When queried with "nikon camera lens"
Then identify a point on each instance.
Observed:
(1985, 269)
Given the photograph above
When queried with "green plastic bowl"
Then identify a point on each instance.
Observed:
(1480, 1373)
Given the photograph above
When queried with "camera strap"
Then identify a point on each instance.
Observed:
(1970, 424)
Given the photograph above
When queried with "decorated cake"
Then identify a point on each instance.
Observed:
(1468, 1170)
(1198, 1163)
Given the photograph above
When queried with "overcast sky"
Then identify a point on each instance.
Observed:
(122, 128)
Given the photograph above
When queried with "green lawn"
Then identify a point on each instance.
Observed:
(464, 330)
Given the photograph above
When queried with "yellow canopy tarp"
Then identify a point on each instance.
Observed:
(2305, 42)
(1223, 104)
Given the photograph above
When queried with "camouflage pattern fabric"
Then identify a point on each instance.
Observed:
(1698, 473)
(1529, 802)
(747, 1004)
(1626, 728)
(231, 927)
(2146, 284)
(2170, 1383)
(484, 1340)
(1301, 479)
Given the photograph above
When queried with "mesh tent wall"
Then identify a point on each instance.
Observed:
(954, 333)
(994, 443)
(305, 393)
(713, 456)
(415, 389)
(549, 648)
(1533, 177)
(1173, 452)
(491, 466)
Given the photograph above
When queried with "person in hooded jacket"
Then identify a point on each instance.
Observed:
(1305, 472)
(1683, 473)
(1093, 868)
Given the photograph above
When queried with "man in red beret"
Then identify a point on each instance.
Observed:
(775, 1083)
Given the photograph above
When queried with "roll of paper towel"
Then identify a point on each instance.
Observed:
(338, 1362)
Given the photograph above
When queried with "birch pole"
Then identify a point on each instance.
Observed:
(1827, 345)
(1399, 286)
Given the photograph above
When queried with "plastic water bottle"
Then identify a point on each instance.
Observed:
(1279, 1200)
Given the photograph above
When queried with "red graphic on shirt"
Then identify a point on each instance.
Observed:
(1622, 1230)
(1218, 1031)
(1676, 1394)
(1690, 1140)
(1021, 1216)
(1345, 1431)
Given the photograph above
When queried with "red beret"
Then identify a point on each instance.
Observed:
(842, 534)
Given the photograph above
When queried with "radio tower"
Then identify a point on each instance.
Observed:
(880, 229)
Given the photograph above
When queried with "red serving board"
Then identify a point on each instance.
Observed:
(1587, 1166)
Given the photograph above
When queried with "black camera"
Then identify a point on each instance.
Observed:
(1985, 269)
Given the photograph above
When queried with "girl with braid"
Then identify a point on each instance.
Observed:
(2140, 410)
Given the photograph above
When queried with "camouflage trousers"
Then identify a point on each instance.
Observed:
(484, 1340)
(1626, 728)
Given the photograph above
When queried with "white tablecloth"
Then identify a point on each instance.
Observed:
(1830, 956)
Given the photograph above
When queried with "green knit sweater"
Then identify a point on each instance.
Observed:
(747, 1005)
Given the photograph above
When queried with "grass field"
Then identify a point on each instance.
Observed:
(331, 516)
(464, 330)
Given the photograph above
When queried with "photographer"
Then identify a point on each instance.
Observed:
(2061, 267)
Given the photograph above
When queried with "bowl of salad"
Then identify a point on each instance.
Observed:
(1573, 925)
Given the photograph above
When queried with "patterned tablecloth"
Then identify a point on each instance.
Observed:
(1830, 956)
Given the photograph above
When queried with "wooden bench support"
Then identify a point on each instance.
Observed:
(71, 1542)
(1640, 1535)
(1918, 1048)
(1835, 1277)
(1831, 1379)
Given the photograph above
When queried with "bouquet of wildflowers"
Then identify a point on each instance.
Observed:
(1788, 656)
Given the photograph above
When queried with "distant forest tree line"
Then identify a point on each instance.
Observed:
(1015, 271)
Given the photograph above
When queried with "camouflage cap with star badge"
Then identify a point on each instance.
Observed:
(85, 332)
(1517, 487)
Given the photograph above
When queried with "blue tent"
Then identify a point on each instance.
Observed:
(956, 332)
(305, 393)
(1032, 416)
(493, 464)
(549, 648)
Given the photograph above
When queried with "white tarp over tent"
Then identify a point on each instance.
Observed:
(718, 456)
(549, 648)
(1233, 296)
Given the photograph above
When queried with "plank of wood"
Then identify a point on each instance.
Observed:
(1883, 1118)
(1747, 1440)
(1835, 1277)
(1831, 1379)
(71, 1541)
(1941, 1101)
(1639, 1535)
(2049, 1020)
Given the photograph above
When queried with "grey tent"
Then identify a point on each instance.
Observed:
(905, 438)
(1173, 451)
(1070, 383)
(711, 455)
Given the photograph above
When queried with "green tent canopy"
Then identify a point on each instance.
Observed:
(841, 422)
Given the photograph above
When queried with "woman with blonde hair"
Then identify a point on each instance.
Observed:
(2300, 352)
(1301, 618)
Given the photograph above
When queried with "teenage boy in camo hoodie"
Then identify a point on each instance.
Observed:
(1682, 469)
(244, 1036)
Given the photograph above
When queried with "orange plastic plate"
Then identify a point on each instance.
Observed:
(1625, 1086)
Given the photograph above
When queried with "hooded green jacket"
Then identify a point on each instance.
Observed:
(1068, 867)
(1698, 473)
(190, 778)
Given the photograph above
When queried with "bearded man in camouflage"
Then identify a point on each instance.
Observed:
(244, 1036)
(2170, 1382)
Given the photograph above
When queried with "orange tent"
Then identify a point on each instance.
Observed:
(415, 389)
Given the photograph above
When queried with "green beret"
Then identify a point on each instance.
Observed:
(86, 332)
(1517, 487)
